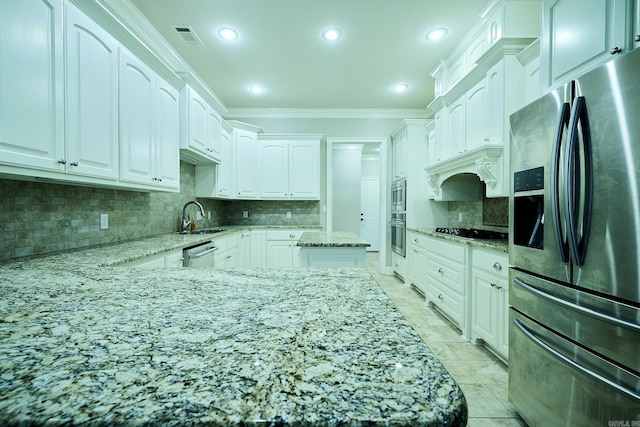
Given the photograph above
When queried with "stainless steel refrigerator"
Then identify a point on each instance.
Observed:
(574, 248)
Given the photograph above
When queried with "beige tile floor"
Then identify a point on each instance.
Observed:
(481, 376)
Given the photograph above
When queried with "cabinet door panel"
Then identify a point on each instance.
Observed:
(456, 129)
(137, 89)
(247, 164)
(274, 174)
(92, 98)
(31, 84)
(304, 170)
(198, 122)
(167, 171)
(475, 116)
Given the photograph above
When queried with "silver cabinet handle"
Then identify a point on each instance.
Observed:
(441, 297)
(440, 270)
(74, 163)
(292, 236)
(615, 50)
(637, 39)
(497, 266)
(62, 161)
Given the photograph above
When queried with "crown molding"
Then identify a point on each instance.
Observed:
(327, 113)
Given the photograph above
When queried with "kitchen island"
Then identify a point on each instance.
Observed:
(81, 343)
(332, 249)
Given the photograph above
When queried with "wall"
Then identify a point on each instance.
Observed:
(39, 218)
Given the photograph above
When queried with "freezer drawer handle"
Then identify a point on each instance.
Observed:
(531, 335)
(584, 310)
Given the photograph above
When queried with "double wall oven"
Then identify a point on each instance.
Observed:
(398, 217)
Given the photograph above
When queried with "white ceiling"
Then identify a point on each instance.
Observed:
(280, 47)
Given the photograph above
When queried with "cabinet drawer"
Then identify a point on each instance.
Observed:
(448, 274)
(449, 304)
(493, 262)
(285, 234)
(452, 251)
(418, 240)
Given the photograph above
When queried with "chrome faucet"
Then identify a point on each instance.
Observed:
(185, 223)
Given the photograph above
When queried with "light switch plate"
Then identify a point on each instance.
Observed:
(288, 215)
(245, 214)
(104, 221)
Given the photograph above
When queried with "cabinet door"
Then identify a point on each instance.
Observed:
(226, 168)
(475, 116)
(258, 248)
(197, 122)
(494, 107)
(92, 97)
(274, 171)
(167, 170)
(279, 254)
(483, 309)
(173, 259)
(304, 170)
(440, 122)
(417, 267)
(455, 132)
(580, 34)
(247, 171)
(399, 153)
(244, 249)
(31, 84)
(215, 134)
(136, 120)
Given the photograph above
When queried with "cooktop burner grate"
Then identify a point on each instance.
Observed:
(473, 233)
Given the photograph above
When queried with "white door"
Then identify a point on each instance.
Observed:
(370, 212)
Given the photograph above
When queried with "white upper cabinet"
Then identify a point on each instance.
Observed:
(289, 166)
(31, 86)
(226, 168)
(167, 152)
(399, 154)
(578, 35)
(136, 120)
(201, 125)
(149, 127)
(247, 164)
(485, 85)
(92, 97)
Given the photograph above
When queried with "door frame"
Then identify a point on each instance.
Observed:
(385, 194)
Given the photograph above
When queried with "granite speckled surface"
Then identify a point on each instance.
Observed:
(334, 239)
(81, 343)
(493, 244)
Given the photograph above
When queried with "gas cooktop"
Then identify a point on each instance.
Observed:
(473, 233)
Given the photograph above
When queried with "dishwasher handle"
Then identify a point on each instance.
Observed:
(203, 253)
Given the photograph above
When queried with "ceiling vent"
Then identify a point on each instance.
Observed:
(189, 36)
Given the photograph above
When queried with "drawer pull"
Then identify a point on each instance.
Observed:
(441, 297)
(493, 285)
(292, 235)
(415, 240)
(497, 266)
(440, 270)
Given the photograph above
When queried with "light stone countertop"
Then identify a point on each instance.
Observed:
(334, 239)
(81, 343)
(493, 244)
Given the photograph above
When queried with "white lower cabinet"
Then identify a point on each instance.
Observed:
(417, 261)
(227, 253)
(282, 250)
(399, 265)
(258, 248)
(244, 249)
(447, 280)
(490, 300)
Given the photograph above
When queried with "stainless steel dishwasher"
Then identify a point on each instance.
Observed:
(200, 255)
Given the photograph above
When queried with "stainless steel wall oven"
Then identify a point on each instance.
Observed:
(399, 233)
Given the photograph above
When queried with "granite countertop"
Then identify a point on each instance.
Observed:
(493, 244)
(334, 239)
(80, 343)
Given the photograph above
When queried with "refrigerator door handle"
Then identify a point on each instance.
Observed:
(579, 190)
(559, 223)
(532, 336)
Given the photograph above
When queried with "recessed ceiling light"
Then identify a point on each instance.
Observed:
(331, 34)
(228, 33)
(401, 87)
(257, 89)
(436, 34)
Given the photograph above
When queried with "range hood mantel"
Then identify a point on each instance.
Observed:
(485, 161)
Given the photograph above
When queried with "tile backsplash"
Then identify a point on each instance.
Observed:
(39, 218)
(488, 214)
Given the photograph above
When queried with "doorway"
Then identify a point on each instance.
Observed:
(356, 180)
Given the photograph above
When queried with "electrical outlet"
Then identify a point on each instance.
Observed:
(288, 215)
(245, 214)
(104, 221)
(208, 214)
(459, 216)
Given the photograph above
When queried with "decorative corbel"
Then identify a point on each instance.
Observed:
(434, 182)
(485, 168)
